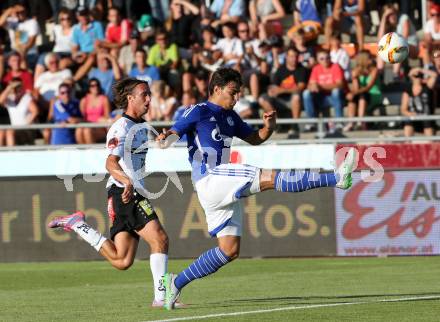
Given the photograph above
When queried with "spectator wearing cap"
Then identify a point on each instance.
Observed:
(23, 32)
(431, 38)
(21, 107)
(85, 34)
(15, 71)
(145, 25)
(265, 17)
(225, 11)
(141, 70)
(325, 87)
(117, 32)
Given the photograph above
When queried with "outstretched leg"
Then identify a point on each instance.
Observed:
(302, 180)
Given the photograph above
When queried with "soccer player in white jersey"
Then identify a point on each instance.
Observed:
(210, 127)
(131, 214)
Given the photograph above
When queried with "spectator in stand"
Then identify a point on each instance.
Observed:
(265, 17)
(339, 55)
(250, 62)
(202, 59)
(21, 107)
(417, 99)
(46, 85)
(85, 34)
(23, 32)
(306, 54)
(285, 95)
(181, 25)
(165, 56)
(226, 11)
(142, 71)
(107, 70)
(95, 108)
(117, 32)
(365, 93)
(230, 48)
(64, 109)
(62, 35)
(325, 88)
(163, 104)
(431, 38)
(306, 20)
(15, 71)
(127, 54)
(346, 13)
(402, 24)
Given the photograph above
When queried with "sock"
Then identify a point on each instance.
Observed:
(296, 181)
(158, 265)
(207, 263)
(90, 235)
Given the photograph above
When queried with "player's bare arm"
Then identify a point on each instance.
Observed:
(258, 137)
(115, 170)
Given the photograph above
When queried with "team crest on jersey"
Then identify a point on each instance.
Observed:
(230, 121)
(112, 143)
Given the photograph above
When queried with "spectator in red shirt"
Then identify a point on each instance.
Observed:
(15, 71)
(117, 32)
(325, 86)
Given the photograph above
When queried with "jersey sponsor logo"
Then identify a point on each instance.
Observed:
(146, 206)
(113, 143)
(230, 121)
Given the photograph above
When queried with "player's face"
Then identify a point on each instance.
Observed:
(140, 99)
(229, 95)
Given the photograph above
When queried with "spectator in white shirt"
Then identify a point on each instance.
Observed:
(230, 47)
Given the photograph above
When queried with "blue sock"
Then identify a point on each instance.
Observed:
(207, 263)
(296, 181)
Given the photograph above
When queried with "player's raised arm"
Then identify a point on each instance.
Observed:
(258, 137)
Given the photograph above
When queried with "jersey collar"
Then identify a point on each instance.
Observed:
(132, 119)
(215, 107)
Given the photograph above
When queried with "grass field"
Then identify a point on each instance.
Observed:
(373, 289)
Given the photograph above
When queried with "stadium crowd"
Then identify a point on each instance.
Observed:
(59, 59)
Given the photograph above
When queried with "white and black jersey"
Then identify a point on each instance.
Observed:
(127, 139)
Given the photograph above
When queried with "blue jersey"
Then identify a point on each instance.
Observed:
(61, 113)
(209, 129)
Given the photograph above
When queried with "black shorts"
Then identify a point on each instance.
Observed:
(131, 216)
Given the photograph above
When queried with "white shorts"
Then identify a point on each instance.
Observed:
(220, 193)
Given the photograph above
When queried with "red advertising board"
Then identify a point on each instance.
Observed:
(399, 156)
(399, 215)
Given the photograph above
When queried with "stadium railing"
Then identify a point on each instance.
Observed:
(320, 134)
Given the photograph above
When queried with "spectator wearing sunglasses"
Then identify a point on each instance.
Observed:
(64, 110)
(325, 87)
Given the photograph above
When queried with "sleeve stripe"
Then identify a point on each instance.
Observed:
(186, 113)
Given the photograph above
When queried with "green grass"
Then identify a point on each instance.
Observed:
(94, 291)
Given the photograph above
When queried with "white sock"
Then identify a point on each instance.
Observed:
(90, 235)
(158, 265)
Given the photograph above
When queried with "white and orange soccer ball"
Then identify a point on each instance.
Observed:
(393, 48)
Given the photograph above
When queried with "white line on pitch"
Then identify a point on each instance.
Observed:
(289, 308)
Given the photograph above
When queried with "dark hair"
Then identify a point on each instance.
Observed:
(140, 50)
(123, 88)
(65, 85)
(94, 79)
(222, 77)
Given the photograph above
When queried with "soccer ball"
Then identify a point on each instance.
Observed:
(393, 48)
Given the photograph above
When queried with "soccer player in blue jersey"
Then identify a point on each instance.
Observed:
(210, 127)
